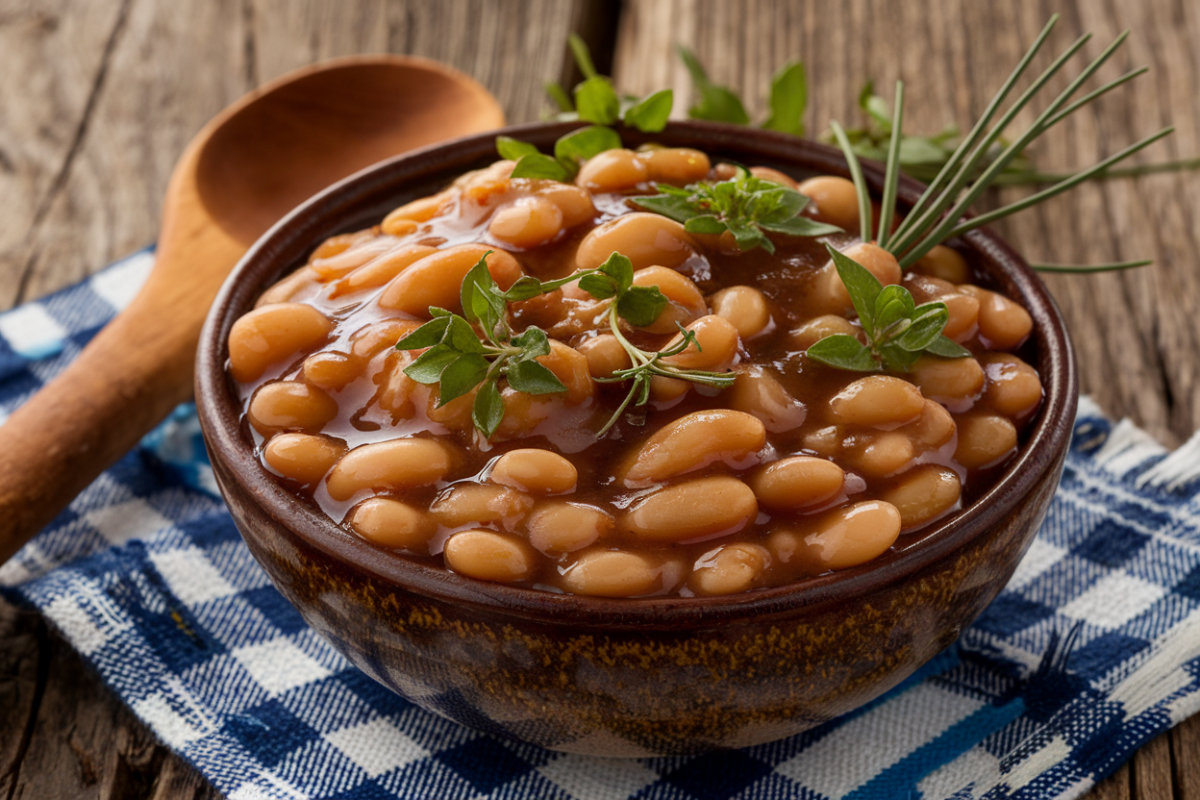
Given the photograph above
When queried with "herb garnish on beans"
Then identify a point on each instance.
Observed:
(629, 373)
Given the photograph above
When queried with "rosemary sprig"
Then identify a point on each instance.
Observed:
(479, 347)
(746, 206)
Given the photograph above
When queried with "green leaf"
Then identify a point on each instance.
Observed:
(513, 149)
(620, 269)
(476, 284)
(560, 97)
(705, 224)
(877, 109)
(427, 369)
(597, 101)
(865, 94)
(641, 305)
(789, 99)
(461, 376)
(677, 208)
(918, 150)
(526, 288)
(862, 286)
(893, 304)
(532, 377)
(488, 409)
(801, 226)
(462, 337)
(438, 311)
(600, 287)
(427, 335)
(716, 102)
(947, 348)
(539, 165)
(843, 351)
(896, 358)
(533, 341)
(582, 55)
(749, 236)
(927, 323)
(652, 113)
(584, 143)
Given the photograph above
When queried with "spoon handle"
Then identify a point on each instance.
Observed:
(119, 387)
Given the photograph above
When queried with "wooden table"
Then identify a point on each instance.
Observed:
(100, 97)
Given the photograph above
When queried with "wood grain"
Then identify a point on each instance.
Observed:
(100, 97)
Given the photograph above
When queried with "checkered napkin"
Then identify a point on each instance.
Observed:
(1092, 650)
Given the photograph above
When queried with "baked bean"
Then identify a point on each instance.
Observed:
(436, 279)
(945, 263)
(612, 171)
(527, 222)
(855, 534)
(524, 412)
(645, 239)
(953, 381)
(480, 503)
(697, 509)
(718, 345)
(933, 428)
(290, 406)
(686, 302)
(617, 573)
(391, 523)
(369, 341)
(983, 439)
(422, 210)
(289, 288)
(490, 556)
(574, 202)
(877, 400)
(884, 454)
(351, 259)
(559, 527)
(1013, 387)
(455, 415)
(1003, 324)
(833, 200)
(571, 367)
(400, 395)
(665, 390)
(828, 291)
(825, 441)
(963, 310)
(729, 569)
(497, 170)
(758, 393)
(605, 355)
(302, 457)
(774, 176)
(381, 270)
(274, 334)
(340, 244)
(331, 371)
(724, 171)
(797, 482)
(693, 442)
(817, 328)
(676, 165)
(389, 466)
(487, 192)
(537, 471)
(745, 307)
(923, 494)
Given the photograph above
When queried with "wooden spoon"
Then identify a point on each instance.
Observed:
(251, 165)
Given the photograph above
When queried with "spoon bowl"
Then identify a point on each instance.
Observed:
(245, 170)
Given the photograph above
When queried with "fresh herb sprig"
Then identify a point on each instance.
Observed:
(746, 206)
(641, 306)
(897, 330)
(457, 358)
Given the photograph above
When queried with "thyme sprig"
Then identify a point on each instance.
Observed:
(479, 348)
(746, 206)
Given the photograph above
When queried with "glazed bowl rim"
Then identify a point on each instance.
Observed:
(1047, 436)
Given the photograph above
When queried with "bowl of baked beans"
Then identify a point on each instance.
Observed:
(690, 566)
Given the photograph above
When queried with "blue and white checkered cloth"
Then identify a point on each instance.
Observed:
(1092, 650)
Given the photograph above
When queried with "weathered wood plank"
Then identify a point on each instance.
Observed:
(1136, 334)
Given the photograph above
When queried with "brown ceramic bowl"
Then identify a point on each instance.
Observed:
(642, 676)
